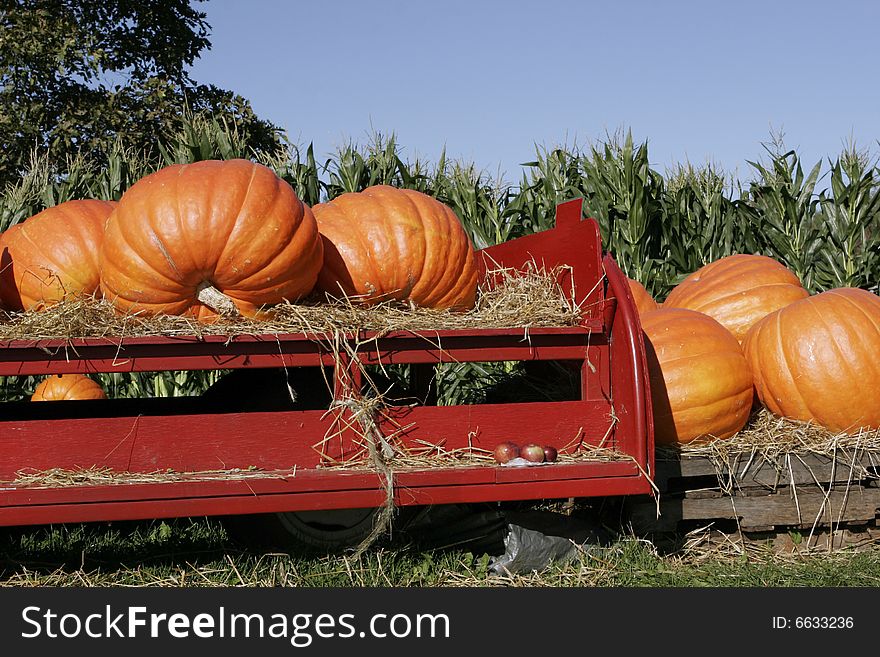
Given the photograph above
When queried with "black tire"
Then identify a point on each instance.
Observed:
(475, 527)
(325, 531)
(329, 530)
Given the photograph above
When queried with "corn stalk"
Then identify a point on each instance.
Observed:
(700, 224)
(784, 210)
(624, 194)
(478, 201)
(851, 255)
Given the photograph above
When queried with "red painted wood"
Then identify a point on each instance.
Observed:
(288, 481)
(145, 435)
(294, 493)
(147, 443)
(595, 372)
(311, 481)
(249, 504)
(550, 472)
(629, 373)
(574, 243)
(484, 426)
(276, 440)
(569, 345)
(89, 355)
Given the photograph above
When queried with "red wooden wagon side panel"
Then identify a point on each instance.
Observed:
(221, 462)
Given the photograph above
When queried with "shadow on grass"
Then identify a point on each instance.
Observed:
(113, 545)
(238, 550)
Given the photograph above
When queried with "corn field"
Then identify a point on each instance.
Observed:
(821, 219)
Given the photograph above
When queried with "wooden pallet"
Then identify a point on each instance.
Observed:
(753, 493)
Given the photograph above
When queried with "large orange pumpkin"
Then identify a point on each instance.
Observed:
(53, 255)
(642, 298)
(817, 359)
(701, 384)
(387, 243)
(65, 387)
(209, 238)
(738, 291)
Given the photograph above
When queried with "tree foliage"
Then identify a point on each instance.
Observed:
(76, 74)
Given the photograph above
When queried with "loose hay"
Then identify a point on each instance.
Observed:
(533, 298)
(780, 445)
(104, 476)
(427, 456)
(771, 436)
(771, 440)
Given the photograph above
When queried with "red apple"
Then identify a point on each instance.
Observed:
(532, 452)
(550, 453)
(506, 451)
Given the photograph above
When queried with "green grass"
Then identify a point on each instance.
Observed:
(201, 552)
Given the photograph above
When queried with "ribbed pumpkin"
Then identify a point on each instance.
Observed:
(207, 238)
(53, 255)
(701, 384)
(642, 298)
(738, 291)
(65, 387)
(817, 359)
(387, 243)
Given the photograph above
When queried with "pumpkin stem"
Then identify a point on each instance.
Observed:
(217, 301)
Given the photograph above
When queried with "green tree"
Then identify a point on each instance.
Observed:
(75, 74)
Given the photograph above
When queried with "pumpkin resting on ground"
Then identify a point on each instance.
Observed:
(816, 360)
(701, 384)
(387, 243)
(53, 255)
(66, 387)
(209, 238)
(737, 291)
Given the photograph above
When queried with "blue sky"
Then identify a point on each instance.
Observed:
(490, 80)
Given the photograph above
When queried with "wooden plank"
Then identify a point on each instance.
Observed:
(573, 245)
(704, 493)
(182, 443)
(276, 440)
(145, 354)
(284, 342)
(168, 500)
(630, 379)
(810, 506)
(776, 509)
(483, 426)
(801, 469)
(786, 540)
(553, 471)
(310, 481)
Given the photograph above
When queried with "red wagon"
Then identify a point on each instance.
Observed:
(221, 462)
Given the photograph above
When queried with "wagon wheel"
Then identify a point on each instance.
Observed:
(327, 530)
(269, 389)
(474, 527)
(333, 530)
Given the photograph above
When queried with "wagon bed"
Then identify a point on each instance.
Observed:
(179, 457)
